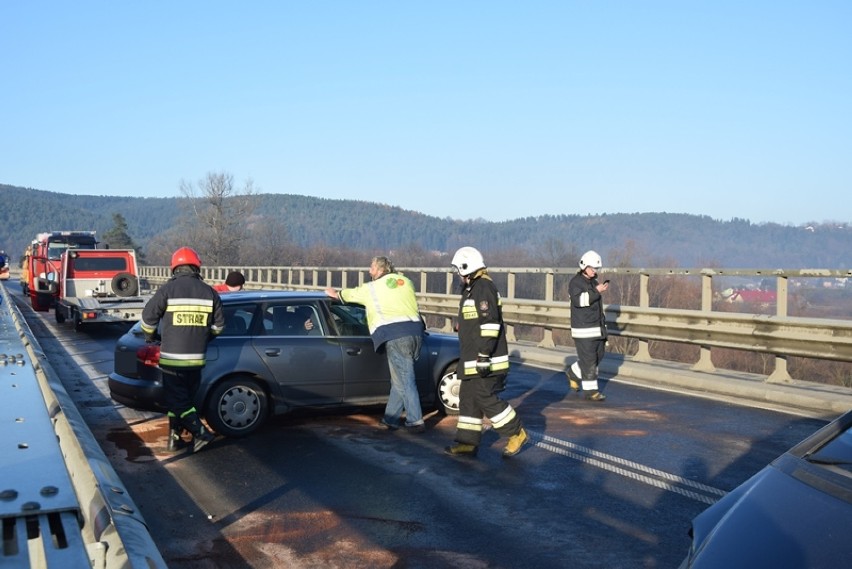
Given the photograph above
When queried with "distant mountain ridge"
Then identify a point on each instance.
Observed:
(653, 239)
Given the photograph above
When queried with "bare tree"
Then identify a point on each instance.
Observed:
(270, 244)
(217, 212)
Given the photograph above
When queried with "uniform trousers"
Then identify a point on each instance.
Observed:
(477, 399)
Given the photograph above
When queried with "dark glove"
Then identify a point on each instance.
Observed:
(483, 365)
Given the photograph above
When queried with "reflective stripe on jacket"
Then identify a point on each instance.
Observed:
(188, 312)
(587, 315)
(481, 329)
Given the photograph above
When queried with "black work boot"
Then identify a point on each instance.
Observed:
(175, 442)
(200, 436)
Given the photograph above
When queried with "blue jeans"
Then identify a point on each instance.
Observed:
(402, 352)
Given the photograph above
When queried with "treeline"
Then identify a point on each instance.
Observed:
(283, 229)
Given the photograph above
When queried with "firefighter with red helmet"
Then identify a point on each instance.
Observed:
(484, 361)
(189, 314)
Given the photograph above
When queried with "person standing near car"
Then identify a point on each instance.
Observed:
(234, 282)
(393, 318)
(189, 314)
(588, 325)
(485, 361)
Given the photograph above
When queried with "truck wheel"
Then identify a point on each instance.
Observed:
(60, 316)
(125, 284)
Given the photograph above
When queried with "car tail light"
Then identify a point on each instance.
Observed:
(149, 355)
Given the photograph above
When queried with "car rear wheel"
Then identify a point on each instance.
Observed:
(237, 407)
(448, 391)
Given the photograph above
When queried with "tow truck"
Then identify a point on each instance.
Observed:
(99, 286)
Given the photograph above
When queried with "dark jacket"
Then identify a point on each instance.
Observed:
(191, 314)
(481, 329)
(587, 315)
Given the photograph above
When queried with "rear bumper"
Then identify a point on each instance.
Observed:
(136, 393)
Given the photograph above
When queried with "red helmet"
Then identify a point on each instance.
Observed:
(185, 256)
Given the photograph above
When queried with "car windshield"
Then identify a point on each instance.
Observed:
(838, 452)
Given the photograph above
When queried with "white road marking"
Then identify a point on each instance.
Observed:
(629, 469)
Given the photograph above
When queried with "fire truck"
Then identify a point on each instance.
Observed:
(44, 264)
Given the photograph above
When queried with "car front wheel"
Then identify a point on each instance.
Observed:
(448, 391)
(237, 407)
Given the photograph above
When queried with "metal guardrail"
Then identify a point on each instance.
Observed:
(778, 335)
(61, 503)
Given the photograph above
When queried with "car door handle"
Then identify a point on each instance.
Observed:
(353, 351)
(273, 352)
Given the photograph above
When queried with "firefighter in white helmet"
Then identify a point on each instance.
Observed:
(484, 361)
(588, 326)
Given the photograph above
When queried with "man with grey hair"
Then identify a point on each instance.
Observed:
(395, 323)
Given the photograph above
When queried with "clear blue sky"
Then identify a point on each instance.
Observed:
(461, 109)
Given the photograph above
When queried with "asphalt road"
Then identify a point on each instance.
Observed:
(603, 485)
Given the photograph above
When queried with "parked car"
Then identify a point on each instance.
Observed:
(794, 513)
(283, 350)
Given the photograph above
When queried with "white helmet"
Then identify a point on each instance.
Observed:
(467, 261)
(590, 259)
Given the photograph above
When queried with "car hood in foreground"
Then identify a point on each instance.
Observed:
(791, 514)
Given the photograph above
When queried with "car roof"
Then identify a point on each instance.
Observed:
(271, 295)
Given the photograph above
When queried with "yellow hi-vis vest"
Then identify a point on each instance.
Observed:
(390, 299)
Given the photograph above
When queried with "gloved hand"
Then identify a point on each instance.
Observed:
(483, 365)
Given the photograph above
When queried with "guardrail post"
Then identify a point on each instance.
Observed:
(547, 340)
(642, 352)
(780, 374)
(510, 293)
(448, 289)
(705, 361)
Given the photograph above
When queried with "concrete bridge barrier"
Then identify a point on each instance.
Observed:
(61, 503)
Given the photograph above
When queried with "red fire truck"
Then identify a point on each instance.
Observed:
(44, 263)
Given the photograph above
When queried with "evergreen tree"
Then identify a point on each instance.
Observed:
(117, 237)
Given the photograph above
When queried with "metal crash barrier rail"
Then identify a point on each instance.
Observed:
(778, 335)
(61, 503)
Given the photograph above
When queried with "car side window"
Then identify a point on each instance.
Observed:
(292, 320)
(238, 319)
(350, 319)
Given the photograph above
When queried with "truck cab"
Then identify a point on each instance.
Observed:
(44, 264)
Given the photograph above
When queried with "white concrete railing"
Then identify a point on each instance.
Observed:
(778, 334)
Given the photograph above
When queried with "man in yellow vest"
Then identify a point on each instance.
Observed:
(395, 323)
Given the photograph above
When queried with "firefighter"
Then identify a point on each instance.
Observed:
(189, 314)
(588, 326)
(485, 361)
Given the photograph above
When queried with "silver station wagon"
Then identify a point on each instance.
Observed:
(285, 350)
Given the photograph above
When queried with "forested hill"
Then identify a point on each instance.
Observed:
(646, 239)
